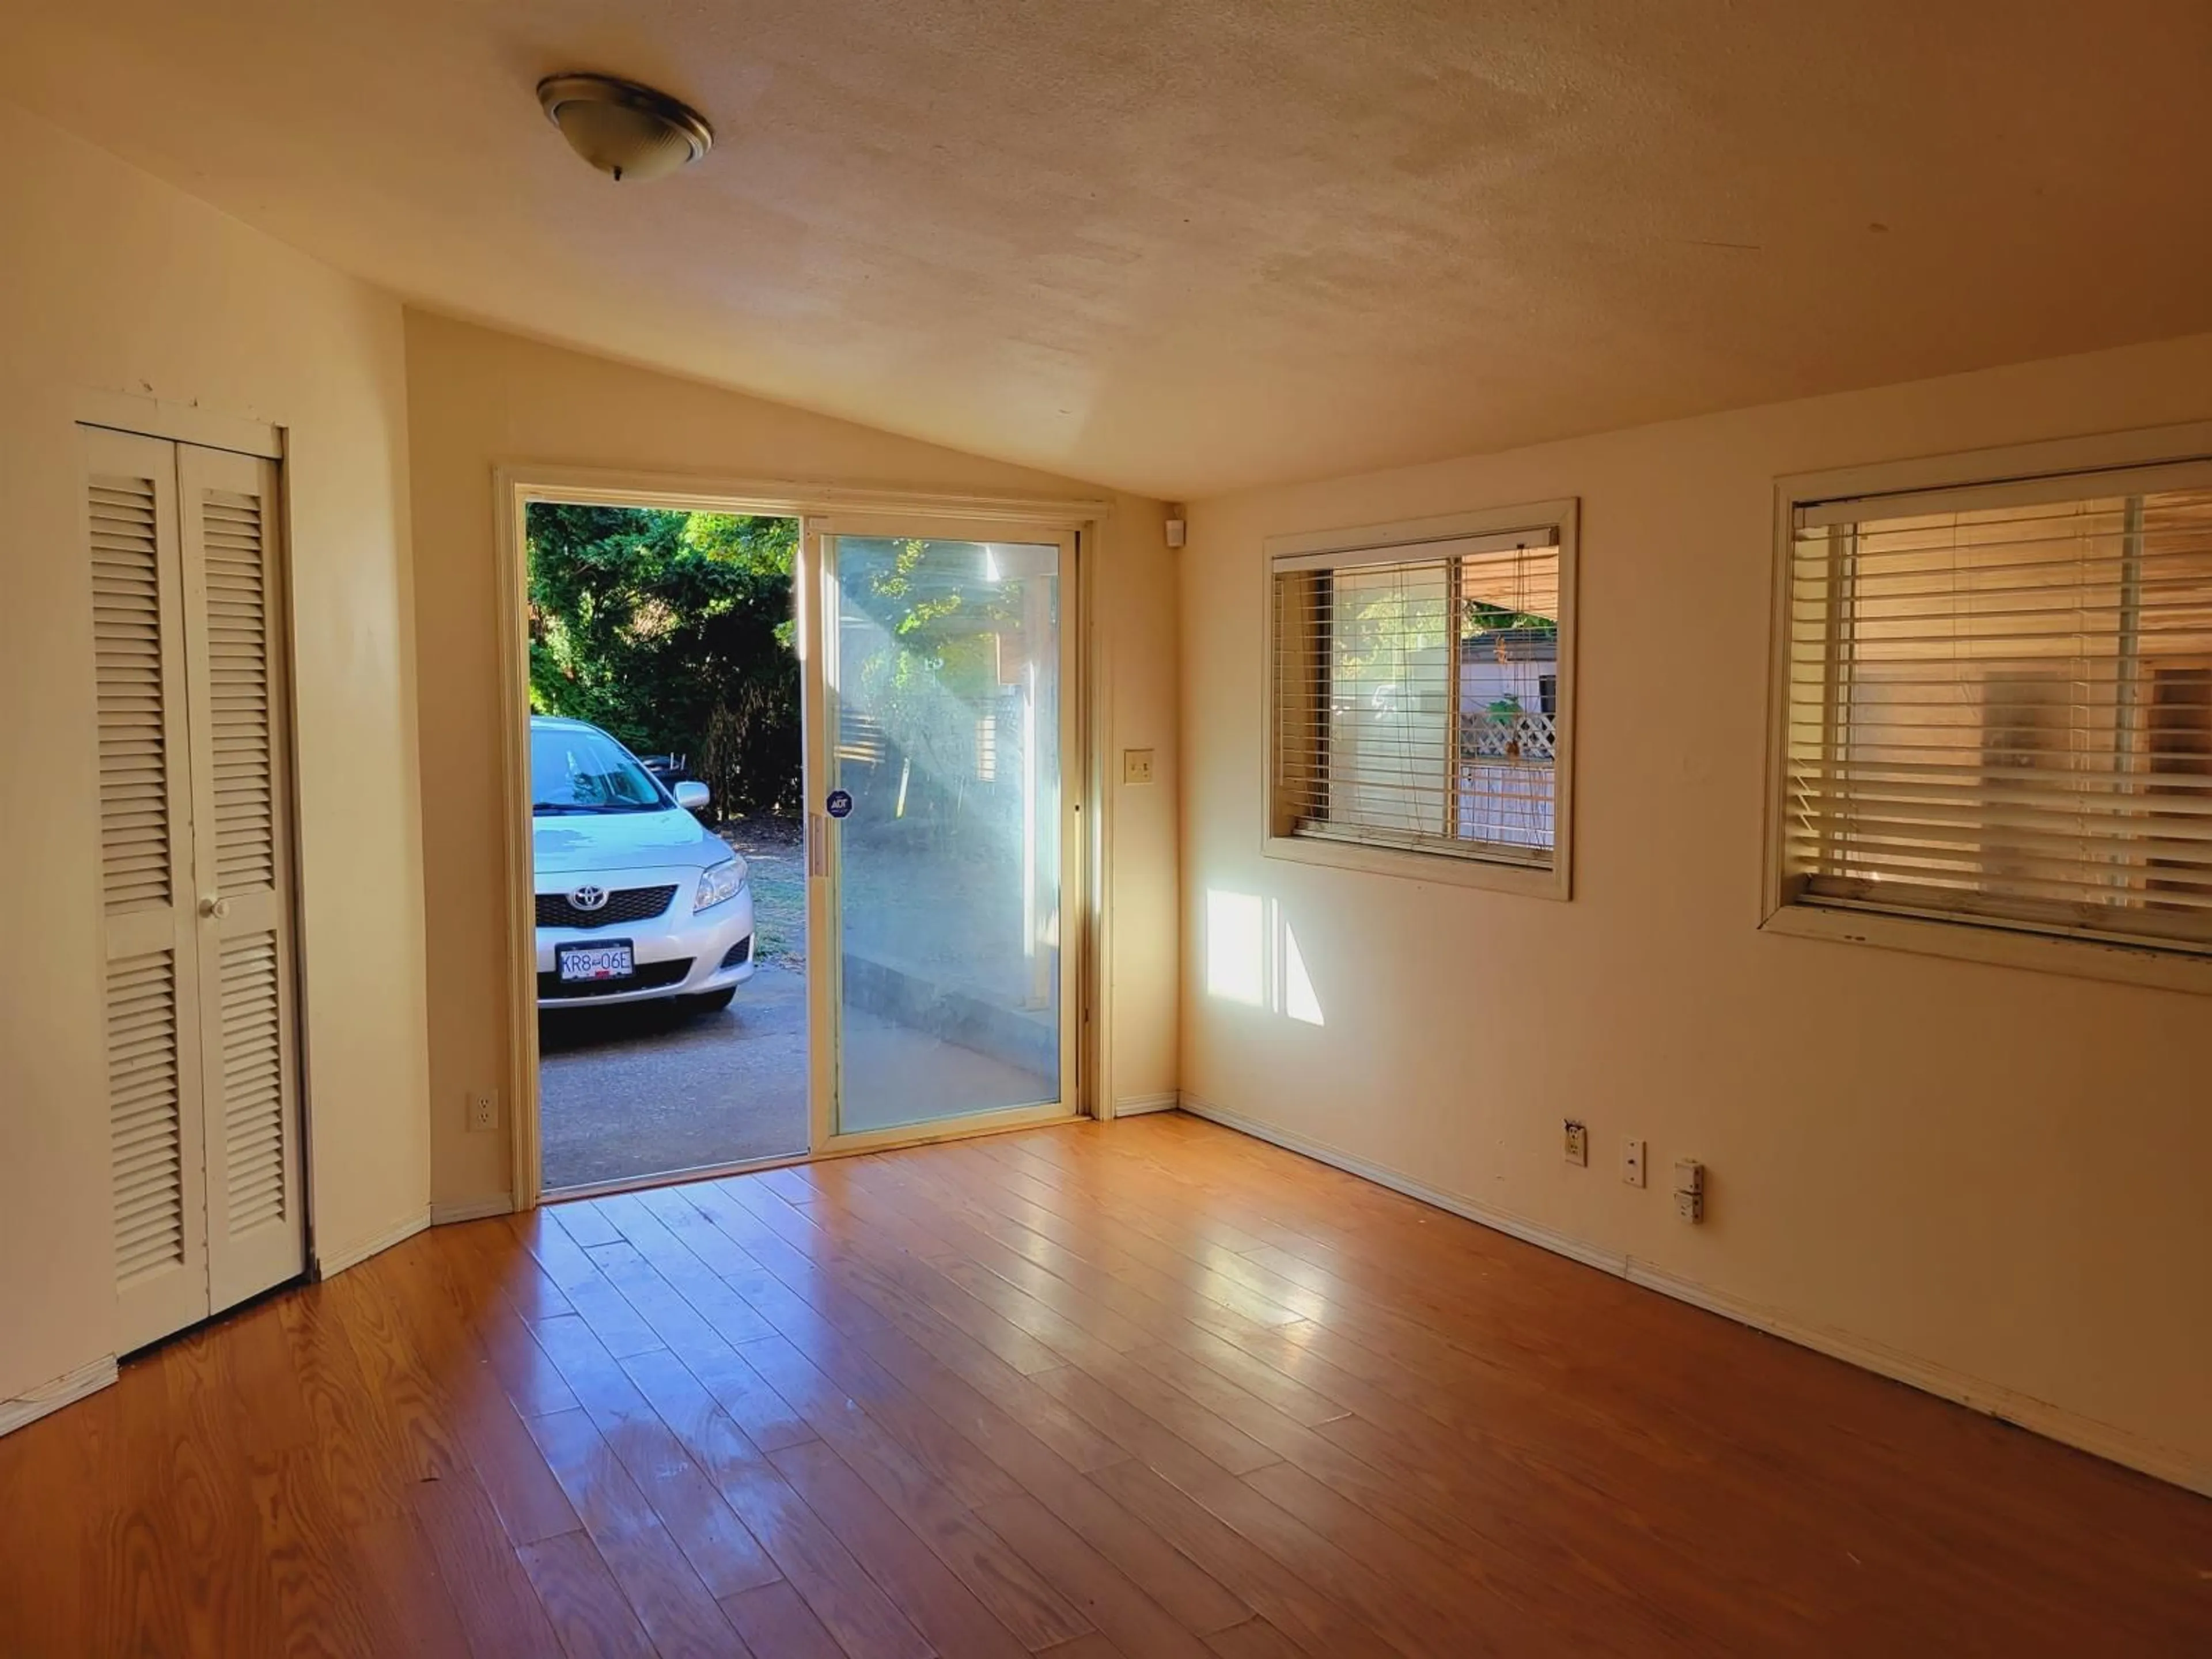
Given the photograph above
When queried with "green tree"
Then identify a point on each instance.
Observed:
(922, 638)
(672, 630)
(1482, 617)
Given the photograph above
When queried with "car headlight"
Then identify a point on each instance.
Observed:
(719, 884)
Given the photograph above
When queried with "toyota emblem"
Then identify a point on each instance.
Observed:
(589, 898)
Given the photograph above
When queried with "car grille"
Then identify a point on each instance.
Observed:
(623, 904)
(739, 954)
(650, 975)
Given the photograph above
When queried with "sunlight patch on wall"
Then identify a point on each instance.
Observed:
(1236, 947)
(1299, 1002)
(1252, 956)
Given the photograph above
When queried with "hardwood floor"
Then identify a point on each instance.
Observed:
(1148, 1390)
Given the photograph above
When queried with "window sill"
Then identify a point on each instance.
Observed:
(1404, 862)
(1965, 941)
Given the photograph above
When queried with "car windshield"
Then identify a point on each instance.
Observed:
(574, 769)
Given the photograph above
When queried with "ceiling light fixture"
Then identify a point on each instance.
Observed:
(622, 127)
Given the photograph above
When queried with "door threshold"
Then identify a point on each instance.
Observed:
(670, 1177)
(896, 1137)
(974, 1129)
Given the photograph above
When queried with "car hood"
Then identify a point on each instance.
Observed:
(623, 841)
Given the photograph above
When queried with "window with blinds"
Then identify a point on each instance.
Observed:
(1999, 706)
(1418, 695)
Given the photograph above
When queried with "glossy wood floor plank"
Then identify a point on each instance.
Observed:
(775, 1620)
(1747, 1547)
(1131, 1620)
(937, 1510)
(837, 1589)
(1148, 1390)
(1255, 1638)
(582, 1601)
(492, 1595)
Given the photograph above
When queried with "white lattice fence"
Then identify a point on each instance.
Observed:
(1485, 736)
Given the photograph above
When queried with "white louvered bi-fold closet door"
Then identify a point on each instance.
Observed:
(237, 705)
(148, 894)
(202, 1063)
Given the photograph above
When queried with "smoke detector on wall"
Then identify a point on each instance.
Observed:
(625, 129)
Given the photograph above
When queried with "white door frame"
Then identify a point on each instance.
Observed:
(516, 484)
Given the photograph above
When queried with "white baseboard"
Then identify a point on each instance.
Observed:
(2039, 1417)
(88, 1379)
(331, 1262)
(1135, 1105)
(1503, 1221)
(471, 1209)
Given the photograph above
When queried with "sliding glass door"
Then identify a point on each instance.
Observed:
(942, 827)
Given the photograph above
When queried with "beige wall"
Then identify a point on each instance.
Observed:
(112, 283)
(478, 399)
(1992, 1177)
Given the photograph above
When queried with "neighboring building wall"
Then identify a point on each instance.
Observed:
(114, 282)
(1507, 794)
(1982, 1177)
(1483, 682)
(478, 398)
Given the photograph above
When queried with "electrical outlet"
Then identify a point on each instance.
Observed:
(1689, 1190)
(1577, 1142)
(483, 1110)
(1136, 766)
(1631, 1163)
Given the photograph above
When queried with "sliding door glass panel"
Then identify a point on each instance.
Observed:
(945, 693)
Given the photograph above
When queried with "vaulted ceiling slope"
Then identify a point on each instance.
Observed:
(1186, 246)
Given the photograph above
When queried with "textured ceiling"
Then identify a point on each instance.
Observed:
(1183, 246)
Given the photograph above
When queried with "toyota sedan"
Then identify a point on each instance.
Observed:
(636, 898)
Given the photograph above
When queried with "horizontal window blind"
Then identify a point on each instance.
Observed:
(2002, 712)
(1418, 699)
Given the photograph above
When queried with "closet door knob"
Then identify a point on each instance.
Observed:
(215, 909)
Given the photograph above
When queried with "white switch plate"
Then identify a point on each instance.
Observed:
(1577, 1142)
(1631, 1163)
(1136, 766)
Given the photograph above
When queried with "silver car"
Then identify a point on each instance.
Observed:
(636, 898)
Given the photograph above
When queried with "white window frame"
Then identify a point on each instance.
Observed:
(1373, 543)
(1960, 938)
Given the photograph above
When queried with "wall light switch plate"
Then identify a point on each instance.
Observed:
(1631, 1163)
(1136, 766)
(1577, 1142)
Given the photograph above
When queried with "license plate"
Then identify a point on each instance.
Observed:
(610, 960)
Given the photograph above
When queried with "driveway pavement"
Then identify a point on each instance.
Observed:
(650, 1089)
(644, 1090)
